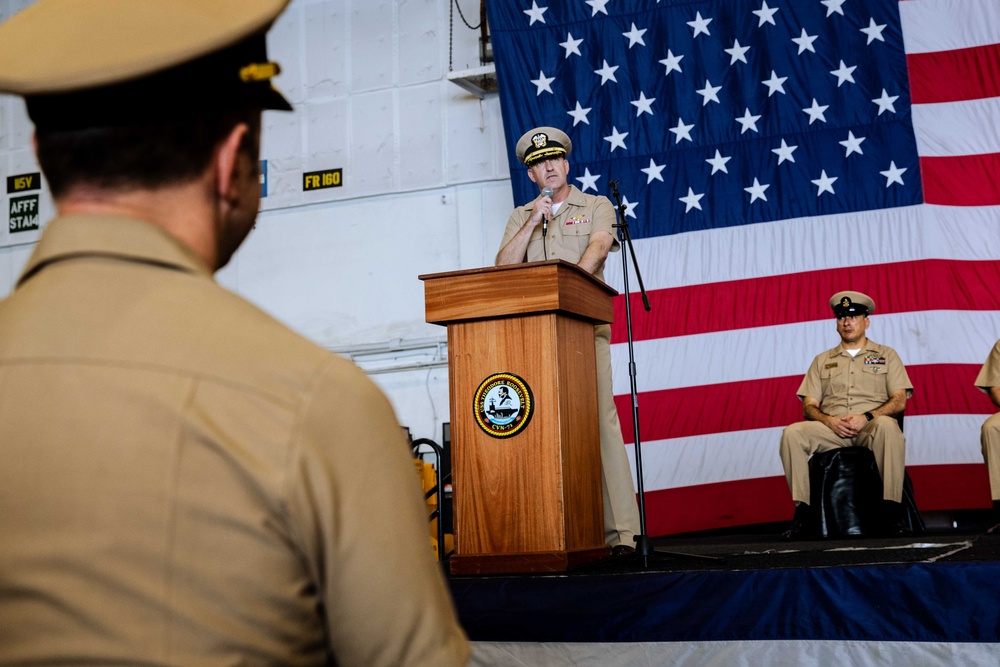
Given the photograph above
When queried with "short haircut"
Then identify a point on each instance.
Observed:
(141, 155)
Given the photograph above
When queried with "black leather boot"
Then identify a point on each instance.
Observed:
(894, 516)
(995, 518)
(799, 529)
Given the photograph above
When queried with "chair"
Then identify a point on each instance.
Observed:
(846, 494)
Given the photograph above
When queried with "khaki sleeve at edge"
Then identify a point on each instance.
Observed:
(356, 496)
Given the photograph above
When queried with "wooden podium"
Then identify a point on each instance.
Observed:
(526, 456)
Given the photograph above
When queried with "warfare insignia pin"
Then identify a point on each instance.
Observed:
(503, 405)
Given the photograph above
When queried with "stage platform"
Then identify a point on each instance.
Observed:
(931, 599)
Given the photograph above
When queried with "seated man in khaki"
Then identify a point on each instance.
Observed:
(988, 380)
(850, 396)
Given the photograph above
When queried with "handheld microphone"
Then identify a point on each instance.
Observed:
(546, 192)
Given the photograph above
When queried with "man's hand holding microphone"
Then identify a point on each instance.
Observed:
(544, 206)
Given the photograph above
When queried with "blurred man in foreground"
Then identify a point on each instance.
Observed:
(184, 481)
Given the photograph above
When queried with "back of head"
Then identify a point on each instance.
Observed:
(130, 94)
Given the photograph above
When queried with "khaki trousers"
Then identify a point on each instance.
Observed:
(990, 439)
(881, 435)
(621, 514)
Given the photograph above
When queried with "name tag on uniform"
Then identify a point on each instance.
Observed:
(833, 365)
(872, 358)
(577, 220)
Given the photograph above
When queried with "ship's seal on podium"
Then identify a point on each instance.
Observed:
(503, 405)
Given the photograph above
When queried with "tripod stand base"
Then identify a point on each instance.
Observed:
(644, 550)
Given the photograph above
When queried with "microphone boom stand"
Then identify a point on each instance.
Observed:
(643, 547)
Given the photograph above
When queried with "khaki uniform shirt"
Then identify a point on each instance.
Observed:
(184, 481)
(569, 231)
(845, 385)
(989, 374)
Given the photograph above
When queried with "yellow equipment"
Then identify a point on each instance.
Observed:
(428, 482)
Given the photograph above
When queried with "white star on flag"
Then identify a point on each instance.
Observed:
(776, 84)
(536, 13)
(629, 207)
(607, 72)
(748, 121)
(737, 52)
(718, 162)
(765, 14)
(571, 45)
(824, 183)
(852, 144)
(616, 139)
(757, 190)
(671, 62)
(874, 31)
(542, 82)
(816, 111)
(709, 92)
(588, 181)
(893, 175)
(844, 73)
(579, 115)
(833, 6)
(784, 152)
(597, 6)
(643, 104)
(700, 25)
(885, 103)
(635, 36)
(682, 131)
(805, 42)
(691, 200)
(653, 171)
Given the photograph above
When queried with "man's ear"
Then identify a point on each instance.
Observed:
(225, 162)
(531, 175)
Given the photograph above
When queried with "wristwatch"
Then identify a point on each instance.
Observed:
(869, 416)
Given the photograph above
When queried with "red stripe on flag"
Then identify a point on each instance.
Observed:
(898, 287)
(680, 413)
(940, 389)
(724, 505)
(953, 76)
(766, 500)
(961, 180)
(950, 487)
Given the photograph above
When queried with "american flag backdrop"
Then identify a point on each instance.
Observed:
(771, 153)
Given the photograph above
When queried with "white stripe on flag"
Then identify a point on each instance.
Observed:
(921, 337)
(957, 128)
(796, 245)
(728, 457)
(943, 25)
